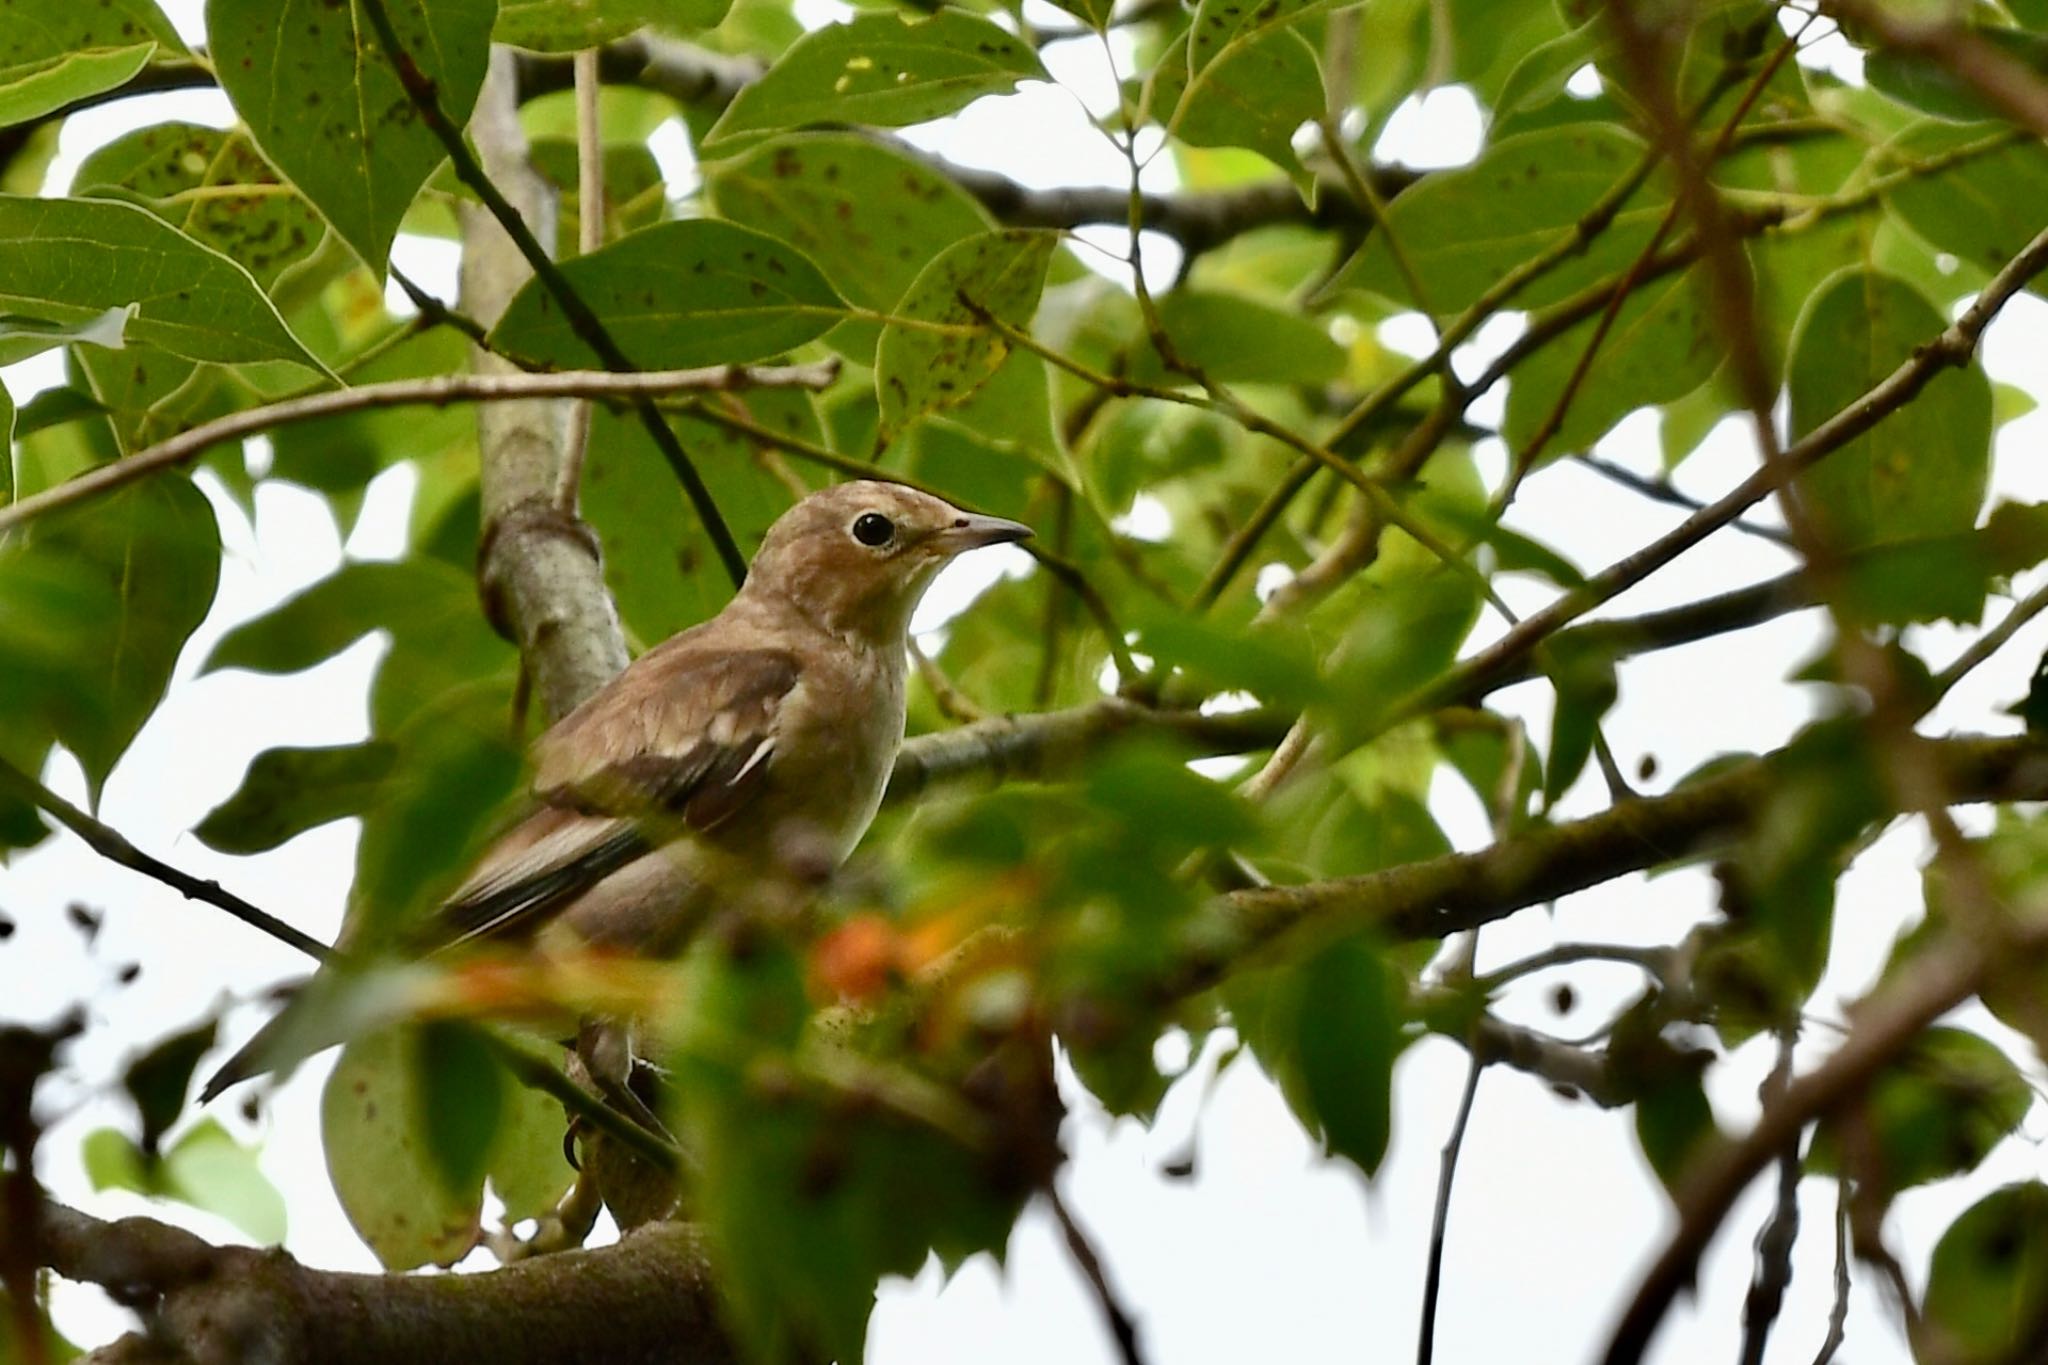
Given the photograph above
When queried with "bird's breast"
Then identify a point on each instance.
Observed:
(836, 740)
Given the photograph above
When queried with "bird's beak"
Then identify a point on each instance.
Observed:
(971, 531)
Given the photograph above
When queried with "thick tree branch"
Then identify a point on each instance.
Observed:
(647, 1298)
(1443, 895)
(1023, 748)
(497, 384)
(540, 573)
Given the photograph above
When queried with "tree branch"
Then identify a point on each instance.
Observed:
(647, 1298)
(496, 385)
(1440, 896)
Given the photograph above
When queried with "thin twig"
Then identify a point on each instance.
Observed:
(1775, 1240)
(436, 391)
(1439, 1227)
(1886, 1023)
(1992, 640)
(1838, 1316)
(1085, 1256)
(110, 844)
(1664, 491)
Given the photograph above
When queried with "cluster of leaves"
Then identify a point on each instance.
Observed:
(190, 272)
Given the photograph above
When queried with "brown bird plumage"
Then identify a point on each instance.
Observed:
(763, 734)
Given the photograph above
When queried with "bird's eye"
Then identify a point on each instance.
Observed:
(873, 529)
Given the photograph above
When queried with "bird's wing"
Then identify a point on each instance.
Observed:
(680, 741)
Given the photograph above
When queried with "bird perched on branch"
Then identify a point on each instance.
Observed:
(757, 739)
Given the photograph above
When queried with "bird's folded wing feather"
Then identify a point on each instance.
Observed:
(681, 741)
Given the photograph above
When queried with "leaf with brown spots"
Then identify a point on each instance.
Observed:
(871, 217)
(696, 292)
(937, 351)
(328, 107)
(373, 1125)
(187, 299)
(878, 69)
(212, 184)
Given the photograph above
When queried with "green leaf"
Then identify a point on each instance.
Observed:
(187, 298)
(1253, 91)
(1272, 665)
(206, 1168)
(211, 184)
(1349, 1036)
(1923, 470)
(807, 1200)
(461, 1096)
(53, 52)
(1660, 347)
(869, 216)
(1094, 13)
(922, 369)
(1542, 73)
(325, 102)
(1463, 229)
(288, 791)
(158, 1079)
(1926, 81)
(1238, 340)
(1672, 1120)
(457, 769)
(31, 90)
(525, 1165)
(99, 603)
(1936, 1111)
(438, 638)
(878, 69)
(697, 292)
(209, 1170)
(566, 25)
(1988, 1280)
(1223, 30)
(1586, 689)
(374, 1129)
(1982, 210)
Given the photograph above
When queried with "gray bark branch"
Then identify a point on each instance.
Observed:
(542, 578)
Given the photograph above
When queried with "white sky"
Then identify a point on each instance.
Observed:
(1268, 1252)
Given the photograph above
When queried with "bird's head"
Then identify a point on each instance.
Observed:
(856, 557)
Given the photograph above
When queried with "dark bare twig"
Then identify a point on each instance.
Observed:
(1447, 1171)
(1774, 1241)
(1089, 1261)
(1887, 1022)
(1664, 491)
(114, 847)
(1838, 1316)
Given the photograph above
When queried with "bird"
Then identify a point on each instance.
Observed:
(763, 735)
